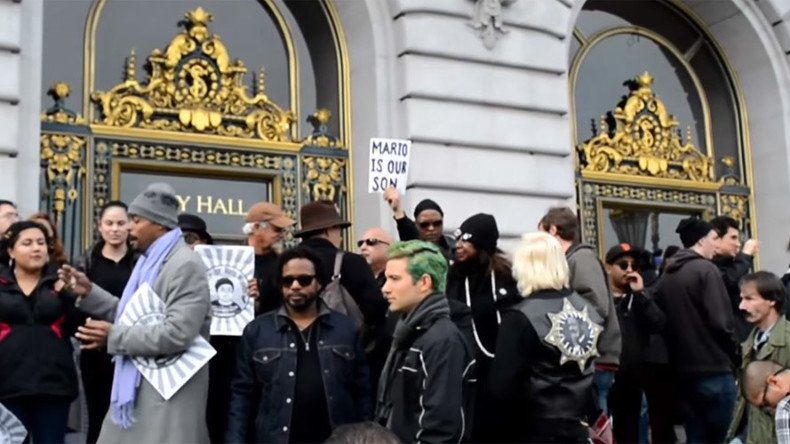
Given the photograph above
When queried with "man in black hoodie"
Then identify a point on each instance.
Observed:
(700, 333)
(734, 264)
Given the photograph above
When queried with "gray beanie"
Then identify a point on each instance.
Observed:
(158, 203)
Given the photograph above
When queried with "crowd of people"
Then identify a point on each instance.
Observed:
(430, 338)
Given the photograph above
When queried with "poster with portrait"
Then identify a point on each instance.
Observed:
(11, 429)
(229, 269)
(166, 373)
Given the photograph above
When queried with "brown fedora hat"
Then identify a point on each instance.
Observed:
(320, 215)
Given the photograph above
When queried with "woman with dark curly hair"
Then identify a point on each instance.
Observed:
(57, 252)
(38, 380)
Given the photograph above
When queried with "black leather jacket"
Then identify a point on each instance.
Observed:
(555, 376)
(427, 386)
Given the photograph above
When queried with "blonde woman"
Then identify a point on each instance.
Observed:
(546, 347)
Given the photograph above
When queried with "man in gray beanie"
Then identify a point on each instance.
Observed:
(138, 413)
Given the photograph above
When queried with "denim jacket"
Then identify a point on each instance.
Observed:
(264, 385)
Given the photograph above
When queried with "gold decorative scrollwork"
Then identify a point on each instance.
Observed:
(194, 86)
(735, 206)
(320, 136)
(591, 193)
(58, 113)
(645, 142)
(324, 177)
(62, 153)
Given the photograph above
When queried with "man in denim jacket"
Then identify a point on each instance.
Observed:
(301, 369)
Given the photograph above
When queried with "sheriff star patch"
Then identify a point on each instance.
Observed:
(574, 334)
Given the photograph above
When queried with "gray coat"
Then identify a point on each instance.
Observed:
(588, 278)
(183, 287)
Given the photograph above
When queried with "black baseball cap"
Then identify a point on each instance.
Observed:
(620, 250)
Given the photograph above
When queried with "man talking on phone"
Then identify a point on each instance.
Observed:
(639, 318)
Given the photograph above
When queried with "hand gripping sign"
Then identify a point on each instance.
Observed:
(389, 164)
(166, 373)
(229, 270)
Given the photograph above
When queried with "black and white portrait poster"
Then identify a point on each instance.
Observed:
(167, 373)
(11, 429)
(229, 270)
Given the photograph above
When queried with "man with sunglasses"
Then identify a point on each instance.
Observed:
(373, 247)
(428, 224)
(766, 386)
(301, 369)
(762, 305)
(639, 318)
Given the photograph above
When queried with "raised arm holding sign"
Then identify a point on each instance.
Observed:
(389, 164)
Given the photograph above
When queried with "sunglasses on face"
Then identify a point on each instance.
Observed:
(304, 281)
(372, 242)
(430, 223)
(625, 265)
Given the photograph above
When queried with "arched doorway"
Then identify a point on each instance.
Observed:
(212, 98)
(658, 122)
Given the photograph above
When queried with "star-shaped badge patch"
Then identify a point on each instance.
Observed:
(574, 334)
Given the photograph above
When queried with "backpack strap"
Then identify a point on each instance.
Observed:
(338, 264)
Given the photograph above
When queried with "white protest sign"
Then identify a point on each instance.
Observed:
(166, 373)
(389, 164)
(230, 267)
(11, 429)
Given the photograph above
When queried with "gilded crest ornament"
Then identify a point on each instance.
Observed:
(195, 86)
(574, 334)
(645, 142)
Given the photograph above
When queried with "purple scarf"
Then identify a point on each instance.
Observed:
(126, 378)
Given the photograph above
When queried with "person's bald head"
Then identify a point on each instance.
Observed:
(765, 383)
(373, 246)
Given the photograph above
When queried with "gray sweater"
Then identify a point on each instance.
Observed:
(588, 278)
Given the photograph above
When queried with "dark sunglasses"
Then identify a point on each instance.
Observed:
(430, 223)
(372, 242)
(625, 265)
(304, 281)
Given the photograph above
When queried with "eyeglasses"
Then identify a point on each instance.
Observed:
(764, 406)
(304, 281)
(372, 242)
(191, 238)
(430, 223)
(625, 265)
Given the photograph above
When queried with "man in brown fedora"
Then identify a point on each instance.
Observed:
(322, 231)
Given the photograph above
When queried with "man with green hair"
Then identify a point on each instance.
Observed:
(425, 387)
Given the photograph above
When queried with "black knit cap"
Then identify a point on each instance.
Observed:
(481, 231)
(427, 204)
(691, 230)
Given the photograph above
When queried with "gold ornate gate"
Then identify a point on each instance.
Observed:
(641, 167)
(193, 120)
